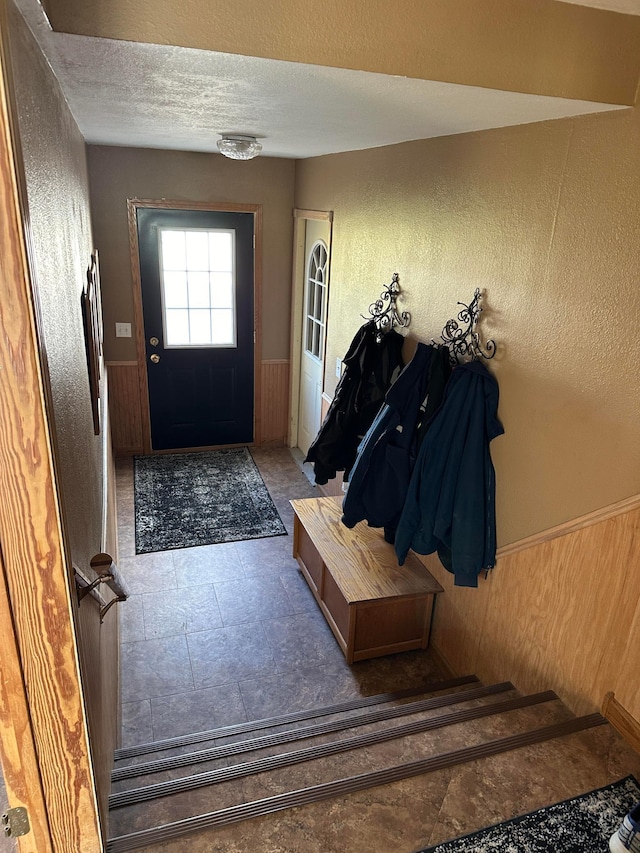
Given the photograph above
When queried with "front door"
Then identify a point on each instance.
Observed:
(314, 318)
(197, 282)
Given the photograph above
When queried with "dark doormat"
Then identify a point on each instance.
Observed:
(583, 824)
(188, 499)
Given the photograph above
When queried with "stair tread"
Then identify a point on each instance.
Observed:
(227, 749)
(167, 744)
(338, 787)
(411, 730)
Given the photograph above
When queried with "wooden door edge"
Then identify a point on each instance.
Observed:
(17, 746)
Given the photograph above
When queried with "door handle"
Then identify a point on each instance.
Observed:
(154, 341)
(155, 358)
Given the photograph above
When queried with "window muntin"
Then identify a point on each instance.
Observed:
(198, 287)
(316, 301)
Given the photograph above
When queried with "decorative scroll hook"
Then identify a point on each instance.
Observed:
(384, 311)
(463, 341)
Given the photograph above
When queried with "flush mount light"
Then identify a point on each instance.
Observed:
(239, 147)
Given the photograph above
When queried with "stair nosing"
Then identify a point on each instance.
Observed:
(289, 759)
(283, 719)
(328, 790)
(240, 747)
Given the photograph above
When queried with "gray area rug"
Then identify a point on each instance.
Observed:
(187, 499)
(580, 825)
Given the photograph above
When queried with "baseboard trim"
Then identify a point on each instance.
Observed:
(621, 720)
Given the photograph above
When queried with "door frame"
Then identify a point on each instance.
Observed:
(43, 726)
(298, 276)
(133, 204)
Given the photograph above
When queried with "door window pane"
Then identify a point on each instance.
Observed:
(311, 299)
(197, 269)
(176, 326)
(319, 301)
(222, 327)
(309, 338)
(220, 251)
(221, 290)
(200, 326)
(198, 290)
(175, 289)
(197, 250)
(173, 250)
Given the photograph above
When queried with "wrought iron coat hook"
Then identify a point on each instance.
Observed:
(463, 341)
(384, 311)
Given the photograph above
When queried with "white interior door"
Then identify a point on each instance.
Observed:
(317, 246)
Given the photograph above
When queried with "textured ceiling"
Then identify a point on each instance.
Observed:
(156, 96)
(629, 7)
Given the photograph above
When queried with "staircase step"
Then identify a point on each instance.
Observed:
(327, 790)
(292, 735)
(294, 717)
(321, 750)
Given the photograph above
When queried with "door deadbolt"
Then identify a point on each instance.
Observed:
(154, 342)
(155, 358)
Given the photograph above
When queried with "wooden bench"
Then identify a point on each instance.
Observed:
(373, 606)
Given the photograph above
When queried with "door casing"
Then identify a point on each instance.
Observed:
(297, 306)
(133, 204)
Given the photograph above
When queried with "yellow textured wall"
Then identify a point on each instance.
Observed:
(117, 174)
(538, 46)
(543, 218)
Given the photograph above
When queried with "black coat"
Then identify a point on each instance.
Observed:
(369, 369)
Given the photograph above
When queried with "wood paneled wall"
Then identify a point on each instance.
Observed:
(275, 401)
(125, 410)
(562, 614)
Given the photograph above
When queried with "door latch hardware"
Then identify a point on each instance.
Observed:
(155, 358)
(15, 822)
(154, 341)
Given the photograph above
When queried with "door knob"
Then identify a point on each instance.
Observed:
(154, 341)
(155, 358)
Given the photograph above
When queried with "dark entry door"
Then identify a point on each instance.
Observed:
(197, 276)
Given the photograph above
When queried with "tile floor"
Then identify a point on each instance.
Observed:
(229, 633)
(221, 634)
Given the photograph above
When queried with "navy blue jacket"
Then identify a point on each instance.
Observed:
(380, 476)
(450, 505)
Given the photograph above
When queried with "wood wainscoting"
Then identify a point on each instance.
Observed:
(275, 401)
(562, 613)
(125, 406)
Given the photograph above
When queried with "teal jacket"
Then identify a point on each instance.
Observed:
(450, 505)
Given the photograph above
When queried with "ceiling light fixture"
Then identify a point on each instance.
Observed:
(239, 147)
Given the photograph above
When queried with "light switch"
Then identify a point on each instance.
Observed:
(123, 330)
(338, 367)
